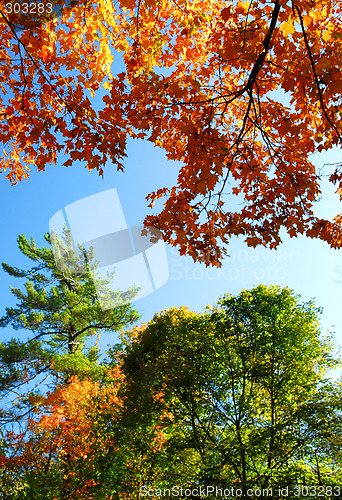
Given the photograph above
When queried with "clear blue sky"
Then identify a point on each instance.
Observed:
(307, 266)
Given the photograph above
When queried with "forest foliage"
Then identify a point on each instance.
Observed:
(242, 94)
(239, 396)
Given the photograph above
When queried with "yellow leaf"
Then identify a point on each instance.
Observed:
(287, 27)
(242, 8)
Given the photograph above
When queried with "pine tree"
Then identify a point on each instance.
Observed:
(61, 311)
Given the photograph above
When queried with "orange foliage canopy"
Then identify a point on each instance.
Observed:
(64, 438)
(198, 79)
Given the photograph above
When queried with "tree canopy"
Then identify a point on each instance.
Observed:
(237, 398)
(244, 386)
(241, 93)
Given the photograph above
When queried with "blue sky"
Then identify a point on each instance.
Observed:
(307, 266)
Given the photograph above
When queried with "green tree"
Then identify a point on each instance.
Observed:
(60, 311)
(245, 386)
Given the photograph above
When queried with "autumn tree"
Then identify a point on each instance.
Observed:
(61, 454)
(245, 386)
(146, 450)
(237, 396)
(60, 319)
(241, 93)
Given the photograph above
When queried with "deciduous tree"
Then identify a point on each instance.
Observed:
(241, 93)
(60, 454)
(245, 385)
